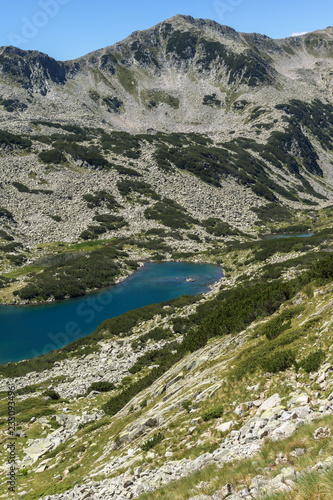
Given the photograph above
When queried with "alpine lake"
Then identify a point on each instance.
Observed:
(31, 330)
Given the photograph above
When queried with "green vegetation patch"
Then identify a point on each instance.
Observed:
(74, 129)
(212, 163)
(316, 117)
(182, 44)
(273, 212)
(113, 104)
(143, 55)
(73, 277)
(6, 214)
(52, 156)
(11, 105)
(4, 281)
(279, 324)
(126, 171)
(170, 213)
(22, 188)
(215, 412)
(5, 236)
(211, 100)
(313, 361)
(240, 104)
(121, 143)
(322, 271)
(129, 187)
(30, 407)
(18, 141)
(247, 67)
(13, 246)
(101, 386)
(218, 228)
(90, 155)
(152, 98)
(127, 80)
(153, 441)
(156, 334)
(256, 112)
(51, 394)
(155, 357)
(279, 361)
(280, 151)
(100, 197)
(111, 222)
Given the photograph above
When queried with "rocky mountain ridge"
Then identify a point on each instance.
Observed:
(156, 79)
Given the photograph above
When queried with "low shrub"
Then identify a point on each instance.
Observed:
(216, 412)
(313, 361)
(21, 187)
(170, 213)
(111, 222)
(52, 156)
(100, 197)
(218, 228)
(56, 218)
(279, 361)
(129, 187)
(187, 405)
(102, 386)
(92, 232)
(156, 334)
(51, 394)
(194, 237)
(14, 140)
(73, 277)
(153, 441)
(5, 236)
(322, 271)
(11, 247)
(6, 213)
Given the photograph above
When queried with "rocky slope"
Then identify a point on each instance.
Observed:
(204, 415)
(219, 122)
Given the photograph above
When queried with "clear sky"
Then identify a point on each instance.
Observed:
(66, 29)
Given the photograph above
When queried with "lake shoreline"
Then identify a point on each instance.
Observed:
(120, 279)
(29, 332)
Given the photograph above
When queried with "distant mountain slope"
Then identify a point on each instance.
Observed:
(184, 74)
(177, 125)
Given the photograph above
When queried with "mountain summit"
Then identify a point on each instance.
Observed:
(183, 74)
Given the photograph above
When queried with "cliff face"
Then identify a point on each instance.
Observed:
(31, 70)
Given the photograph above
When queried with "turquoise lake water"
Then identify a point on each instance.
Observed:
(29, 331)
(287, 235)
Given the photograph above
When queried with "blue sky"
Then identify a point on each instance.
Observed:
(66, 29)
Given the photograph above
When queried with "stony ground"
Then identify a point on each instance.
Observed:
(270, 410)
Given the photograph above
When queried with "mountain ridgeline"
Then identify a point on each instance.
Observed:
(261, 105)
